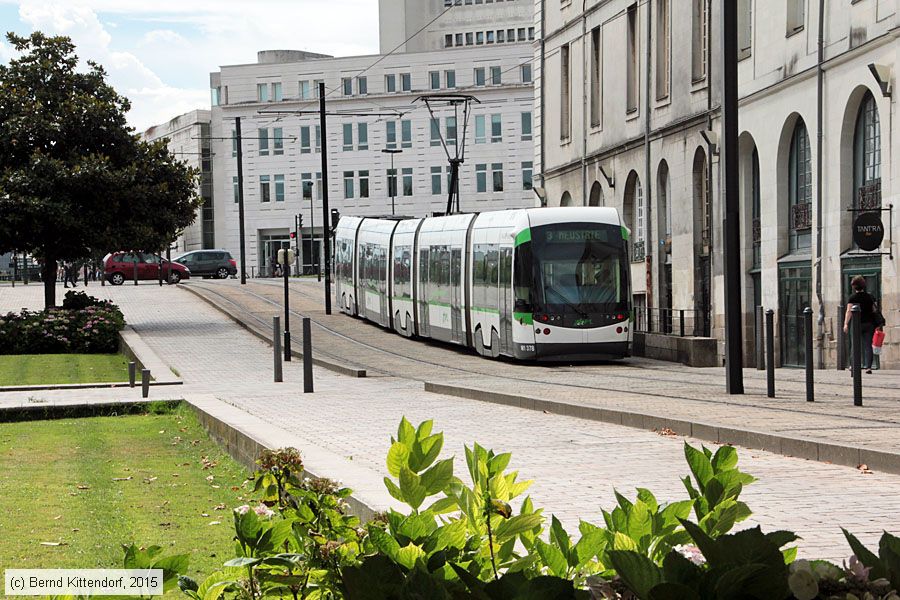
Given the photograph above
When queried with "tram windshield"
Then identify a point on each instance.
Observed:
(579, 268)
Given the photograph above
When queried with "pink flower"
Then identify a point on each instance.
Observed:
(242, 510)
(692, 553)
(263, 511)
(857, 570)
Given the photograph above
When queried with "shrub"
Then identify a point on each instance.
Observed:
(90, 330)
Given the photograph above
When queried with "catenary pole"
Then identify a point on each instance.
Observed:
(734, 376)
(325, 211)
(240, 176)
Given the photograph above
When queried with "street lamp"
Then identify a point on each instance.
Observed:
(392, 188)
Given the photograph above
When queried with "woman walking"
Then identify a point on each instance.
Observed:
(868, 319)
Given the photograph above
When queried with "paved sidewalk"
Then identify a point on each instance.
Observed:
(575, 463)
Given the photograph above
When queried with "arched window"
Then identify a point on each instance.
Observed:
(867, 155)
(665, 206)
(633, 215)
(800, 189)
(566, 199)
(596, 198)
(756, 209)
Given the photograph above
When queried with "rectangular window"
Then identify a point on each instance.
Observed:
(276, 92)
(348, 184)
(318, 138)
(318, 185)
(480, 178)
(745, 28)
(391, 135)
(479, 76)
(316, 86)
(347, 86)
(501, 36)
(450, 79)
(631, 79)
(796, 16)
(525, 72)
(521, 32)
(510, 35)
(496, 128)
(480, 130)
(448, 40)
(527, 173)
(234, 143)
(390, 83)
(489, 37)
(362, 85)
(436, 181)
(458, 39)
(435, 79)
(479, 38)
(407, 181)
(406, 134)
(496, 76)
(699, 40)
(278, 140)
(363, 184)
(263, 142)
(305, 90)
(451, 131)
(348, 137)
(306, 185)
(435, 131)
(405, 82)
(392, 182)
(530, 33)
(279, 188)
(663, 43)
(526, 126)
(565, 119)
(235, 190)
(214, 94)
(262, 92)
(304, 140)
(469, 39)
(264, 188)
(497, 176)
(362, 136)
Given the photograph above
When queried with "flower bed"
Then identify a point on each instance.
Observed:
(83, 325)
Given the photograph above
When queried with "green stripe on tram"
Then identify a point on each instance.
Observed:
(483, 309)
(524, 318)
(625, 233)
(523, 237)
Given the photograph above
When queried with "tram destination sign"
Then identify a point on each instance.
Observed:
(868, 231)
(577, 235)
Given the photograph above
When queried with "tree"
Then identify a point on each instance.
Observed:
(74, 177)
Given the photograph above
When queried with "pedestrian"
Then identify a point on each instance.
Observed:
(70, 274)
(869, 319)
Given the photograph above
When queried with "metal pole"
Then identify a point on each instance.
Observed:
(808, 320)
(681, 319)
(307, 357)
(770, 353)
(169, 263)
(240, 176)
(312, 238)
(734, 375)
(287, 311)
(145, 383)
(135, 270)
(760, 339)
(856, 344)
(276, 346)
(325, 211)
(393, 187)
(132, 373)
(158, 271)
(841, 339)
(15, 268)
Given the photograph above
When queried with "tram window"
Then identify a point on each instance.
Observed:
(402, 263)
(523, 277)
(423, 265)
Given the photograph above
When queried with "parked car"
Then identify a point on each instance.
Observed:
(119, 267)
(209, 263)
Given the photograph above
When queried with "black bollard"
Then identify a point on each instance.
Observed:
(307, 357)
(132, 373)
(286, 268)
(770, 353)
(808, 320)
(760, 339)
(135, 272)
(276, 346)
(145, 382)
(856, 344)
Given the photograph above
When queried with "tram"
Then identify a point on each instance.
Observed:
(543, 284)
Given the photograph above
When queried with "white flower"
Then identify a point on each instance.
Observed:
(242, 510)
(692, 553)
(263, 511)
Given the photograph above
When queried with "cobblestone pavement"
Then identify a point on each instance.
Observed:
(640, 385)
(575, 463)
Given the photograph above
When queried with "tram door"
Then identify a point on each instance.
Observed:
(423, 293)
(456, 288)
(506, 300)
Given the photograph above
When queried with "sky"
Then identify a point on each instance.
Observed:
(159, 53)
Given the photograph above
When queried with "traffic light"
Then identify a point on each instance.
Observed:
(335, 217)
(307, 189)
(299, 221)
(293, 235)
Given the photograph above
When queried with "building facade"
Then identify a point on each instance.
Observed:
(372, 107)
(188, 138)
(627, 98)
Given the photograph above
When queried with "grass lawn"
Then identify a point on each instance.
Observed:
(93, 484)
(37, 369)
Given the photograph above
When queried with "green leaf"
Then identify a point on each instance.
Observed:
(647, 497)
(429, 449)
(384, 542)
(393, 489)
(790, 555)
(552, 558)
(889, 549)
(409, 554)
(438, 477)
(620, 541)
(414, 492)
(172, 567)
(590, 545)
(639, 521)
(242, 561)
(444, 505)
(452, 535)
(637, 571)
(674, 512)
(782, 538)
(700, 465)
(499, 488)
(424, 429)
(516, 525)
(725, 459)
(673, 591)
(405, 432)
(499, 463)
(865, 556)
(397, 458)
(559, 536)
(519, 488)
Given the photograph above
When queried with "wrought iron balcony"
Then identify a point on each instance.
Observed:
(638, 251)
(801, 216)
(869, 196)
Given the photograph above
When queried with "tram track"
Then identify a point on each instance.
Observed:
(518, 380)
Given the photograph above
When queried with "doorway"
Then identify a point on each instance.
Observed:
(871, 270)
(794, 295)
(268, 251)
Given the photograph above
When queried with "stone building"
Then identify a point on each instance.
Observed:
(627, 104)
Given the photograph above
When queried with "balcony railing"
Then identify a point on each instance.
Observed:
(638, 251)
(675, 322)
(801, 216)
(869, 196)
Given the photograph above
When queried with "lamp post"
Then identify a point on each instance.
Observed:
(392, 188)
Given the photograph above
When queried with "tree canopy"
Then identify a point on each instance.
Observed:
(75, 179)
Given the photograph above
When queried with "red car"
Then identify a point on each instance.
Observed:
(120, 267)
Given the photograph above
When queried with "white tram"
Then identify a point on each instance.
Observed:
(535, 284)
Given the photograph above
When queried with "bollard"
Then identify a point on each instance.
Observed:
(841, 339)
(287, 313)
(145, 382)
(856, 345)
(276, 346)
(135, 273)
(681, 318)
(808, 320)
(307, 357)
(760, 340)
(132, 373)
(770, 353)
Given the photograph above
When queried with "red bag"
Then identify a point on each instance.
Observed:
(877, 341)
